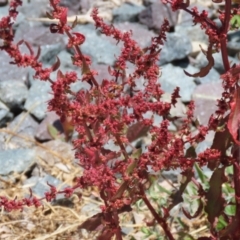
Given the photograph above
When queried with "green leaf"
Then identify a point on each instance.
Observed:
(221, 224)
(53, 131)
(139, 204)
(230, 210)
(235, 21)
(229, 170)
(153, 194)
(231, 228)
(146, 231)
(204, 179)
(191, 189)
(227, 189)
(181, 223)
(215, 201)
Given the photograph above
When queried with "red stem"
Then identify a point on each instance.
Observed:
(78, 51)
(224, 30)
(236, 149)
(161, 221)
(118, 232)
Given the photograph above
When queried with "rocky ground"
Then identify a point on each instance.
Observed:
(30, 157)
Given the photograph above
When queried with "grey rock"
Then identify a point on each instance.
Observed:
(154, 14)
(127, 12)
(90, 209)
(207, 143)
(63, 151)
(140, 33)
(148, 2)
(100, 49)
(13, 93)
(233, 48)
(24, 128)
(102, 72)
(176, 47)
(5, 114)
(233, 43)
(52, 119)
(85, 5)
(173, 76)
(66, 61)
(201, 61)
(36, 8)
(36, 102)
(234, 36)
(206, 95)
(40, 185)
(186, 19)
(212, 76)
(194, 33)
(172, 175)
(77, 86)
(10, 72)
(72, 5)
(16, 160)
(39, 36)
(4, 11)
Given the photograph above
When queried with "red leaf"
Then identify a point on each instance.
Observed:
(80, 37)
(136, 131)
(120, 191)
(67, 127)
(38, 53)
(54, 28)
(20, 42)
(205, 70)
(106, 235)
(56, 65)
(63, 17)
(92, 223)
(60, 74)
(215, 202)
(234, 117)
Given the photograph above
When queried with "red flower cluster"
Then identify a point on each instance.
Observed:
(106, 113)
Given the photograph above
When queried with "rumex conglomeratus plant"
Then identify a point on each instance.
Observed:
(114, 111)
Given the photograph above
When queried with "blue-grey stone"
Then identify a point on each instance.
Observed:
(194, 33)
(173, 77)
(16, 160)
(23, 126)
(5, 114)
(10, 72)
(176, 47)
(127, 12)
(39, 185)
(212, 76)
(101, 50)
(39, 95)
(13, 93)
